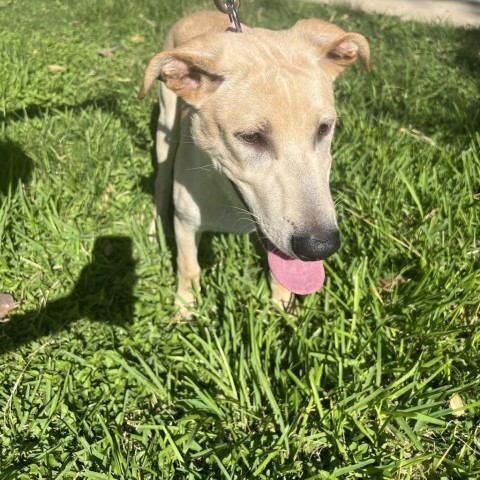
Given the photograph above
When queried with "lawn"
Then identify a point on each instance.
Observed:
(376, 376)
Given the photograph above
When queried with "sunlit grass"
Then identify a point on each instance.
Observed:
(361, 383)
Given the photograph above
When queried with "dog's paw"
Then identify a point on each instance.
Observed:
(284, 298)
(184, 311)
(288, 306)
(182, 316)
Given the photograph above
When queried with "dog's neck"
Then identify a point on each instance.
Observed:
(232, 28)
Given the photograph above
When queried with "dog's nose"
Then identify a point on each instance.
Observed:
(316, 247)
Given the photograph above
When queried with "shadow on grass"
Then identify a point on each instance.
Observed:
(108, 103)
(15, 166)
(103, 292)
(147, 182)
(467, 52)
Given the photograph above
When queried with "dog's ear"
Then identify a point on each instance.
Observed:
(336, 48)
(343, 51)
(191, 71)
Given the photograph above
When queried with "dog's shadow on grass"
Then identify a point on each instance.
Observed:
(103, 292)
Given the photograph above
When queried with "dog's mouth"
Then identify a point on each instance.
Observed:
(296, 275)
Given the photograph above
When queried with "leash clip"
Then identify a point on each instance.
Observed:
(230, 7)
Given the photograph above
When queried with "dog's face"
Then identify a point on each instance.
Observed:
(264, 111)
(269, 127)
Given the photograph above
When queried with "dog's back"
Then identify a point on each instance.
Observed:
(193, 25)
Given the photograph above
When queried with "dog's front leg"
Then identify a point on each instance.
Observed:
(188, 269)
(280, 295)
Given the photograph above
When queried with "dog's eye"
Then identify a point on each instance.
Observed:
(323, 129)
(254, 138)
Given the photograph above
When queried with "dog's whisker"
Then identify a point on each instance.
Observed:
(248, 222)
(251, 218)
(206, 168)
(339, 200)
(240, 209)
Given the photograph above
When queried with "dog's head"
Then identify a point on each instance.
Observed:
(264, 111)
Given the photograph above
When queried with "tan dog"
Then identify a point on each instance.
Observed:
(243, 141)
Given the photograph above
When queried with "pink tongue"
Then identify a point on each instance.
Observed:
(296, 275)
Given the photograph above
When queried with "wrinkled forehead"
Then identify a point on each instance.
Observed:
(289, 89)
(279, 97)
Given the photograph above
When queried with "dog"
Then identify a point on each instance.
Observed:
(243, 142)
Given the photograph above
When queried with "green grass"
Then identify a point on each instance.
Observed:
(95, 383)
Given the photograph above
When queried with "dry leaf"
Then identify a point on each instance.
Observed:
(417, 134)
(149, 22)
(431, 214)
(456, 404)
(137, 39)
(56, 68)
(390, 282)
(76, 21)
(7, 304)
(108, 52)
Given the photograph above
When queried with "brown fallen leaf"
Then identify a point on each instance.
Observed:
(431, 214)
(149, 22)
(7, 304)
(417, 134)
(137, 39)
(108, 52)
(389, 282)
(56, 68)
